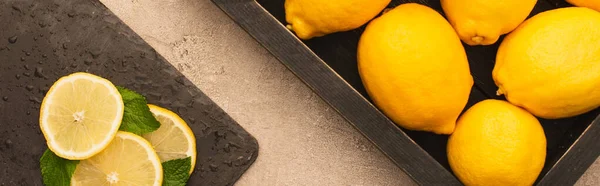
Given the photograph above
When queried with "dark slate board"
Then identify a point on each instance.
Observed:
(328, 66)
(53, 38)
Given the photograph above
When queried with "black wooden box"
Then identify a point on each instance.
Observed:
(328, 66)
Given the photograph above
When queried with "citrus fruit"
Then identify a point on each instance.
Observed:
(415, 68)
(80, 115)
(314, 18)
(593, 4)
(497, 143)
(550, 64)
(128, 160)
(174, 139)
(481, 22)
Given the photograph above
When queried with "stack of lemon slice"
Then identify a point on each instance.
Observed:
(80, 118)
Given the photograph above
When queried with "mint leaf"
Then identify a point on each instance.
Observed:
(176, 172)
(137, 117)
(56, 171)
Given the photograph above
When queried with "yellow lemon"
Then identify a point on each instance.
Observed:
(497, 143)
(415, 68)
(550, 64)
(481, 22)
(174, 139)
(80, 115)
(593, 4)
(128, 160)
(315, 18)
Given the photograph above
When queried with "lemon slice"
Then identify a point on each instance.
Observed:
(174, 139)
(128, 160)
(80, 115)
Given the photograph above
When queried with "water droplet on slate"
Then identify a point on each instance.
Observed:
(8, 143)
(219, 134)
(15, 7)
(227, 149)
(228, 163)
(29, 87)
(213, 167)
(39, 72)
(5, 98)
(13, 39)
(35, 100)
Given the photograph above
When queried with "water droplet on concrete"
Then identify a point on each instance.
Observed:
(13, 39)
(87, 61)
(18, 76)
(26, 67)
(28, 53)
(65, 46)
(22, 58)
(44, 55)
(5, 98)
(28, 113)
(27, 74)
(29, 87)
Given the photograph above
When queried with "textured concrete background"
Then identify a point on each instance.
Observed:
(302, 140)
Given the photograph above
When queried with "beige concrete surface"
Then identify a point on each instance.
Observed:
(302, 140)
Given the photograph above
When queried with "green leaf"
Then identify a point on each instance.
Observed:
(137, 117)
(56, 171)
(176, 172)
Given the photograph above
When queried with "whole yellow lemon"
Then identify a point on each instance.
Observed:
(315, 18)
(593, 4)
(497, 143)
(550, 65)
(415, 69)
(481, 22)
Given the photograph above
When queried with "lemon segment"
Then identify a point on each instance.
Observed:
(80, 115)
(174, 139)
(128, 160)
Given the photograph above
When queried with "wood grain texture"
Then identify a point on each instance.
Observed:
(328, 65)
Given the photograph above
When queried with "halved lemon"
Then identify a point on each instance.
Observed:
(174, 139)
(80, 115)
(128, 160)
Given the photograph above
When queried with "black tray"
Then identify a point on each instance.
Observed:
(42, 40)
(328, 66)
